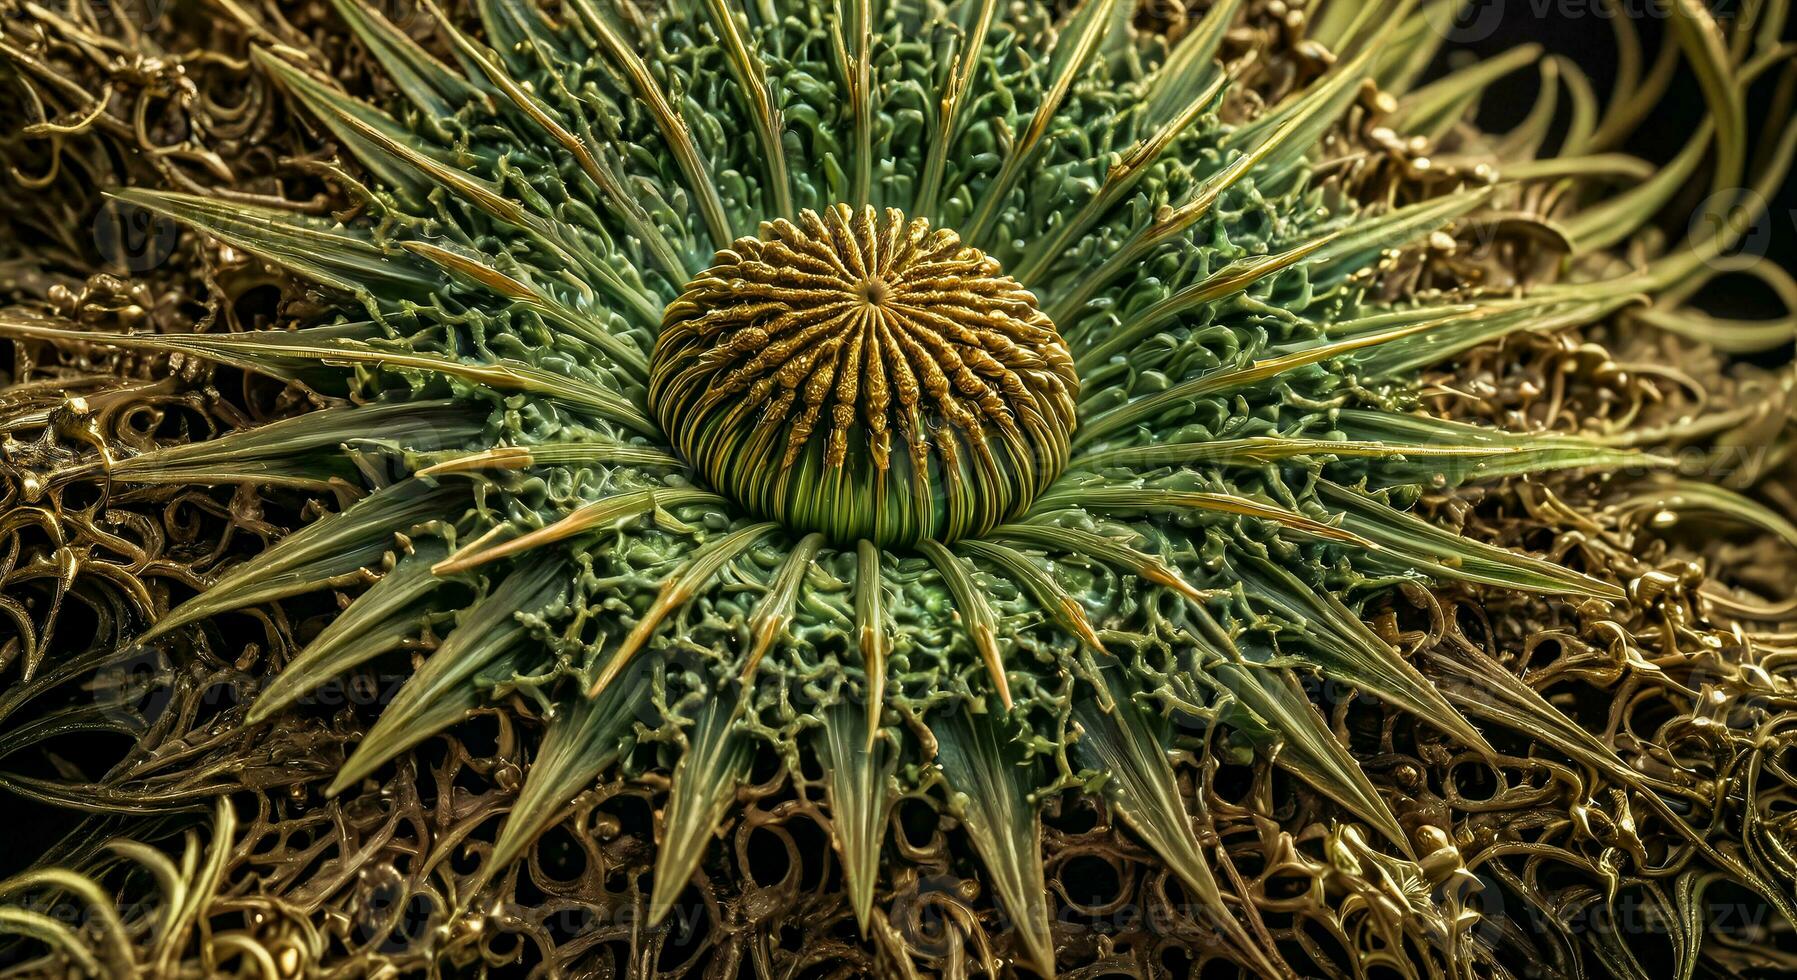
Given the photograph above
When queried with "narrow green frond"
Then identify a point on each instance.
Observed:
(870, 632)
(1488, 690)
(583, 739)
(1613, 219)
(1345, 649)
(1731, 335)
(500, 375)
(1056, 540)
(1290, 135)
(668, 120)
(1359, 246)
(1417, 544)
(1126, 747)
(977, 617)
(1182, 82)
(1445, 101)
(588, 452)
(486, 639)
(859, 800)
(1138, 500)
(1255, 451)
(335, 109)
(1426, 450)
(609, 510)
(1039, 257)
(1078, 40)
(1419, 349)
(270, 352)
(380, 620)
(475, 270)
(1279, 716)
(1183, 396)
(706, 778)
(857, 69)
(990, 791)
(330, 551)
(772, 614)
(693, 578)
(321, 250)
(435, 88)
(297, 451)
(750, 73)
(1042, 587)
(968, 57)
(1227, 281)
(612, 186)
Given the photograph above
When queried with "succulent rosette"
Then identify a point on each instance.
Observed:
(952, 398)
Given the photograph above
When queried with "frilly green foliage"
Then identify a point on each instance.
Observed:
(1238, 482)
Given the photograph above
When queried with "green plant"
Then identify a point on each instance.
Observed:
(961, 397)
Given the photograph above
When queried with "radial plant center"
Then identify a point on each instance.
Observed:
(865, 376)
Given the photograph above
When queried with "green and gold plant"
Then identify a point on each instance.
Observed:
(963, 398)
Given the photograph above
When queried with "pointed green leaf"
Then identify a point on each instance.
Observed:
(302, 449)
(1127, 499)
(1225, 282)
(1074, 46)
(1425, 450)
(1185, 87)
(774, 611)
(319, 249)
(1359, 246)
(267, 351)
(431, 85)
(1344, 648)
(350, 120)
(330, 551)
(380, 620)
(856, 790)
(974, 19)
(1417, 544)
(1402, 352)
(1446, 99)
(1127, 747)
(612, 185)
(977, 617)
(1042, 587)
(484, 647)
(677, 590)
(602, 512)
(1279, 716)
(870, 631)
(583, 739)
(749, 70)
(1056, 540)
(580, 452)
(705, 783)
(668, 120)
(1179, 400)
(990, 791)
(477, 270)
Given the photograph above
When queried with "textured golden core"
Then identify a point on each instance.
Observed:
(865, 376)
